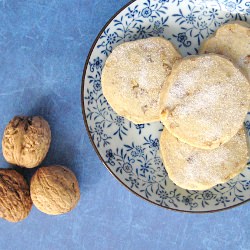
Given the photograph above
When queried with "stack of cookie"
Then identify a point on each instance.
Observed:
(202, 101)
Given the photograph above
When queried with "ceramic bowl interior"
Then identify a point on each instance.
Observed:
(131, 152)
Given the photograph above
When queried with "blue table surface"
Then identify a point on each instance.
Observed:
(43, 48)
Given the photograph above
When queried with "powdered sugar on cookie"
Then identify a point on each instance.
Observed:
(200, 169)
(133, 77)
(205, 101)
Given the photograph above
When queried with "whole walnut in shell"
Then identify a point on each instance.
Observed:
(54, 190)
(26, 141)
(15, 201)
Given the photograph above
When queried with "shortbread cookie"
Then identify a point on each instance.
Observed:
(205, 100)
(233, 41)
(199, 169)
(133, 77)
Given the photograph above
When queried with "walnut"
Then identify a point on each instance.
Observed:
(54, 190)
(15, 201)
(26, 141)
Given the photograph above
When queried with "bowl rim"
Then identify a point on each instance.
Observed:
(93, 144)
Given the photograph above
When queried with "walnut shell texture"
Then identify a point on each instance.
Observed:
(26, 141)
(54, 190)
(15, 201)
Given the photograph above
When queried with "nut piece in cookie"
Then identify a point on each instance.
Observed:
(26, 141)
(54, 190)
(15, 201)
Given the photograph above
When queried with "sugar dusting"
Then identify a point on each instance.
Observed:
(208, 98)
(205, 164)
(195, 168)
(141, 72)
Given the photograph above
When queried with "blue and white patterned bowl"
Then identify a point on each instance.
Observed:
(131, 152)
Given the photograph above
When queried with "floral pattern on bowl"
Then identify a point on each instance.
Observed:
(131, 152)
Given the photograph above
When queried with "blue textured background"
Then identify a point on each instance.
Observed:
(43, 47)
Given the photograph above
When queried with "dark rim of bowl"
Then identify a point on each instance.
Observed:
(94, 146)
